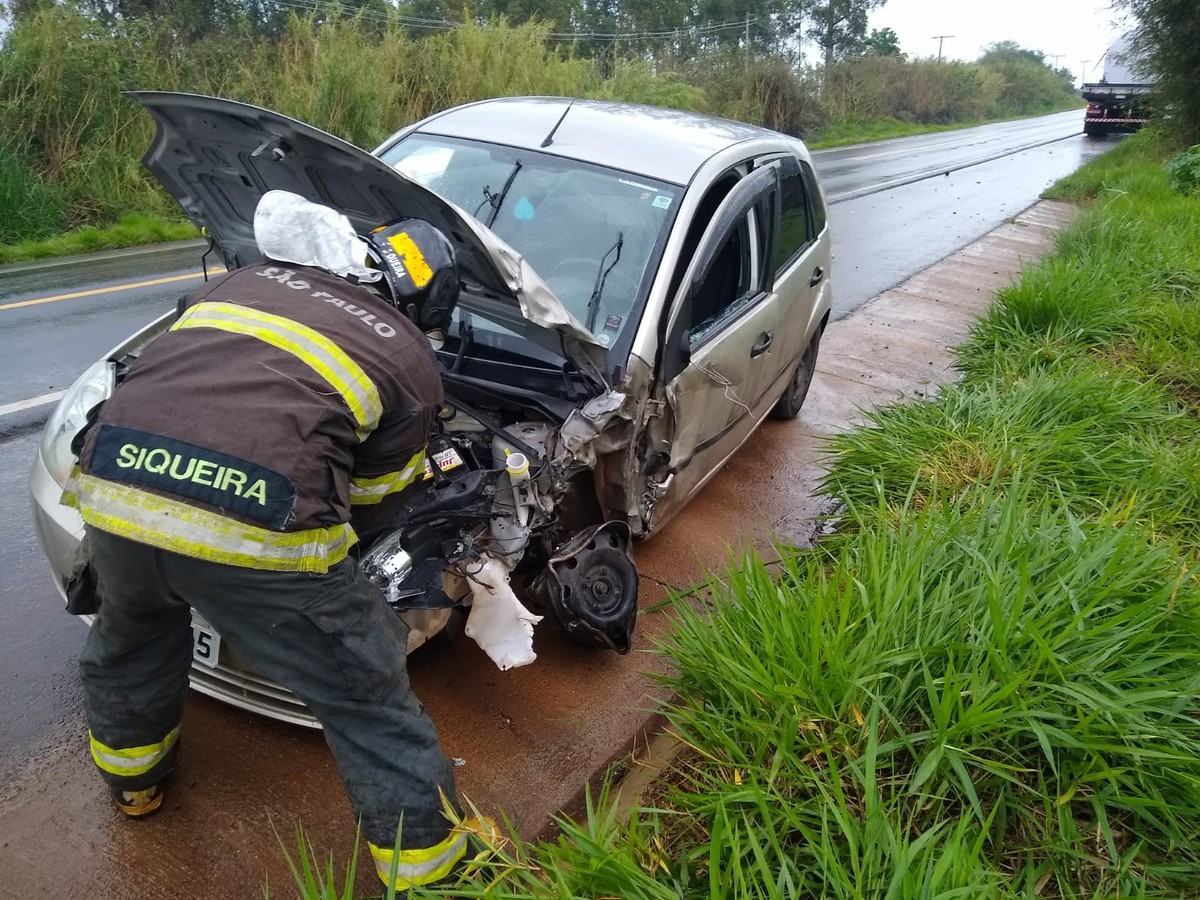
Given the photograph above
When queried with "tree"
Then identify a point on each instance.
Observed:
(1008, 53)
(882, 42)
(839, 27)
(1029, 84)
(1168, 38)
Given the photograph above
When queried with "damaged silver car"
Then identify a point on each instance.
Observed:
(641, 287)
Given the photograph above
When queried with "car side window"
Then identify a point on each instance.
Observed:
(816, 204)
(726, 289)
(796, 229)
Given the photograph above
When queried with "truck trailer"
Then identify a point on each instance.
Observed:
(1120, 103)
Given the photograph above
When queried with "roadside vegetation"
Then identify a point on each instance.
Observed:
(984, 683)
(1168, 38)
(70, 142)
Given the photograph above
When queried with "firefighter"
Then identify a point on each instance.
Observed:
(221, 476)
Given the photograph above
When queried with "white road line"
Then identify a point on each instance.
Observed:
(905, 180)
(920, 148)
(31, 403)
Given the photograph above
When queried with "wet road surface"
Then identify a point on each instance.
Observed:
(525, 736)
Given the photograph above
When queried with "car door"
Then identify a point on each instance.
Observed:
(798, 264)
(719, 357)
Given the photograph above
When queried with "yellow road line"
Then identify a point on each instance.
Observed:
(109, 290)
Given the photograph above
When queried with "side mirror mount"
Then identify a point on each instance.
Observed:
(685, 349)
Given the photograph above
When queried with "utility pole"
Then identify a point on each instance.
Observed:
(940, 38)
(747, 38)
(1056, 57)
(1083, 71)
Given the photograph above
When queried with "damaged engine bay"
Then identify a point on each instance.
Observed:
(489, 521)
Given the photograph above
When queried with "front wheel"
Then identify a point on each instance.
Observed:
(789, 404)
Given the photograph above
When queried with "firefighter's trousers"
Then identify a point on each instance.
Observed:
(331, 639)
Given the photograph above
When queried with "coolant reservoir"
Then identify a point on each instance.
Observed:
(510, 529)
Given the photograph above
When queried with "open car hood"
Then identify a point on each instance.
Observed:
(218, 157)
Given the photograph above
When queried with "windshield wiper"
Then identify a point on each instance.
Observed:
(593, 306)
(495, 201)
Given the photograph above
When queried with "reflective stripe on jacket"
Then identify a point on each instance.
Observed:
(243, 434)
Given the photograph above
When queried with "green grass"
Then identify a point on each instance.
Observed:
(130, 231)
(1128, 166)
(997, 681)
(28, 206)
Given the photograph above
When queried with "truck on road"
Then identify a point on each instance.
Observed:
(1120, 103)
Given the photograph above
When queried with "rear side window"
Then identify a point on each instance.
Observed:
(794, 226)
(814, 197)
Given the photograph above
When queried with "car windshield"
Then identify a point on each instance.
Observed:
(592, 233)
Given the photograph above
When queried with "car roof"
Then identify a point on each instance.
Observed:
(667, 144)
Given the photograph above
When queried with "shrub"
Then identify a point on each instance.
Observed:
(1183, 171)
(29, 208)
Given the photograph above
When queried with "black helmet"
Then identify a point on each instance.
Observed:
(419, 270)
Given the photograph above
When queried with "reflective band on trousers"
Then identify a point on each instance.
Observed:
(311, 347)
(131, 761)
(417, 867)
(365, 491)
(141, 516)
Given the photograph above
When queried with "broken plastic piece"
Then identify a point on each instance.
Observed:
(499, 623)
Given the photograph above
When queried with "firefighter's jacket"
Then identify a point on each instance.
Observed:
(280, 398)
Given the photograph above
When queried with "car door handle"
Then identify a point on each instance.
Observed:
(817, 275)
(763, 344)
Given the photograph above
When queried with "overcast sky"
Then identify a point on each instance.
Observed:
(1077, 29)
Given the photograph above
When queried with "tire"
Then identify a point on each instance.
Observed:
(793, 396)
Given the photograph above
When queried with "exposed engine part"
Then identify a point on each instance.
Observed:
(388, 564)
(534, 435)
(495, 427)
(498, 622)
(512, 508)
(592, 585)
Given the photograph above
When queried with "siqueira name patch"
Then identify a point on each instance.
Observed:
(186, 470)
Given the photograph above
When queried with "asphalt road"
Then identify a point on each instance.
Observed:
(894, 211)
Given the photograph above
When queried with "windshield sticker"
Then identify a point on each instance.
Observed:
(637, 184)
(662, 201)
(604, 340)
(524, 209)
(613, 324)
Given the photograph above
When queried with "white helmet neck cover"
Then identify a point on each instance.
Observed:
(290, 229)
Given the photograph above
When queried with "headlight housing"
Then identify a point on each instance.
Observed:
(92, 387)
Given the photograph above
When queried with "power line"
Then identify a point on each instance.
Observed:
(446, 25)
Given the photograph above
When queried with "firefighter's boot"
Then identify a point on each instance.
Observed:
(139, 804)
